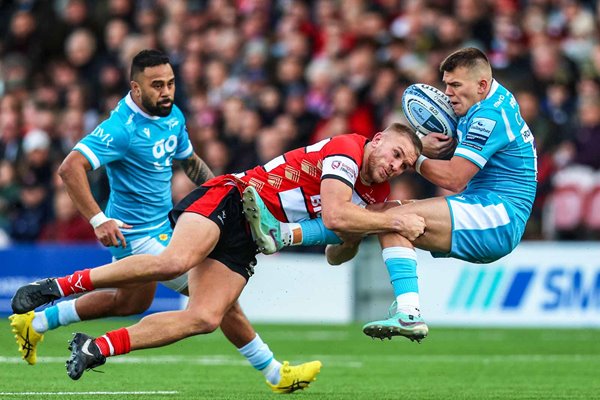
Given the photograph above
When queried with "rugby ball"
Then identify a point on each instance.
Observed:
(429, 110)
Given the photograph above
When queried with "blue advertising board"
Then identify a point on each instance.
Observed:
(21, 264)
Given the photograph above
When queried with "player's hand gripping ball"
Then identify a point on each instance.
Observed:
(429, 110)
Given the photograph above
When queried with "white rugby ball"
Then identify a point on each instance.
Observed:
(429, 110)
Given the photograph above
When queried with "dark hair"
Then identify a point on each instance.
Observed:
(147, 58)
(468, 57)
(408, 132)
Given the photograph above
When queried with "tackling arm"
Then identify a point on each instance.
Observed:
(340, 214)
(196, 169)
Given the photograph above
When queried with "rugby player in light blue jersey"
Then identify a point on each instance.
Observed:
(138, 143)
(493, 170)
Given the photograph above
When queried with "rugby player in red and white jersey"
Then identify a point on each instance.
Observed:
(212, 240)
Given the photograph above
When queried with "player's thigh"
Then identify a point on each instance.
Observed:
(438, 230)
(213, 289)
(194, 237)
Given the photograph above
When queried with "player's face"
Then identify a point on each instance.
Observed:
(391, 155)
(157, 89)
(463, 89)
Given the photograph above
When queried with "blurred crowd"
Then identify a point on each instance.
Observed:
(258, 77)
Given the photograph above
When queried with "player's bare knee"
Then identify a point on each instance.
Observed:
(205, 322)
(171, 266)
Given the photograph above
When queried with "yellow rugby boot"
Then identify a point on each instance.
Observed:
(27, 338)
(296, 377)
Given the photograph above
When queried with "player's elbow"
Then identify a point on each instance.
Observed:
(73, 165)
(333, 220)
(454, 184)
(66, 169)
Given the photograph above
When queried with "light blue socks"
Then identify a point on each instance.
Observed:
(60, 314)
(401, 263)
(260, 357)
(314, 233)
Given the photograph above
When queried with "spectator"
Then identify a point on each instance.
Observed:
(68, 226)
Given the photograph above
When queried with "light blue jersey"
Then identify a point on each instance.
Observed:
(138, 150)
(494, 136)
(489, 217)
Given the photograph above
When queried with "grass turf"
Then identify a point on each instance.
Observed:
(450, 364)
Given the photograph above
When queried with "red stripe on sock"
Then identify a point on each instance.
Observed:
(103, 345)
(78, 282)
(119, 340)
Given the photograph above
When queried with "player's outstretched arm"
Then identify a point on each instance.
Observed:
(341, 215)
(196, 169)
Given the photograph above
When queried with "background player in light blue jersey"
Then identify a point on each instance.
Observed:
(493, 170)
(137, 144)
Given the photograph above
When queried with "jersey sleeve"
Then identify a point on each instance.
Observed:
(342, 158)
(184, 146)
(486, 133)
(107, 143)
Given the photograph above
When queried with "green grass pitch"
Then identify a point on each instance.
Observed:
(449, 364)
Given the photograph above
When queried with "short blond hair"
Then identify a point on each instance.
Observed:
(408, 132)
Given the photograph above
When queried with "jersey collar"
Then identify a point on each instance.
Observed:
(495, 86)
(134, 107)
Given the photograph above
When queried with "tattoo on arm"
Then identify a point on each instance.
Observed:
(196, 169)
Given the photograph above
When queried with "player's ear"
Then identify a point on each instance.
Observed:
(377, 138)
(135, 88)
(483, 85)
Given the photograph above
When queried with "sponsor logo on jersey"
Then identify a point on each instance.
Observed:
(479, 132)
(482, 126)
(348, 171)
(310, 169)
(172, 123)
(275, 180)
(368, 197)
(345, 169)
(292, 174)
(499, 102)
(104, 137)
(146, 131)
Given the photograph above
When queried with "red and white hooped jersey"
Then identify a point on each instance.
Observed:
(290, 184)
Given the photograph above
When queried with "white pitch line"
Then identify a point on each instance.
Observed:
(153, 392)
(217, 360)
(337, 361)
